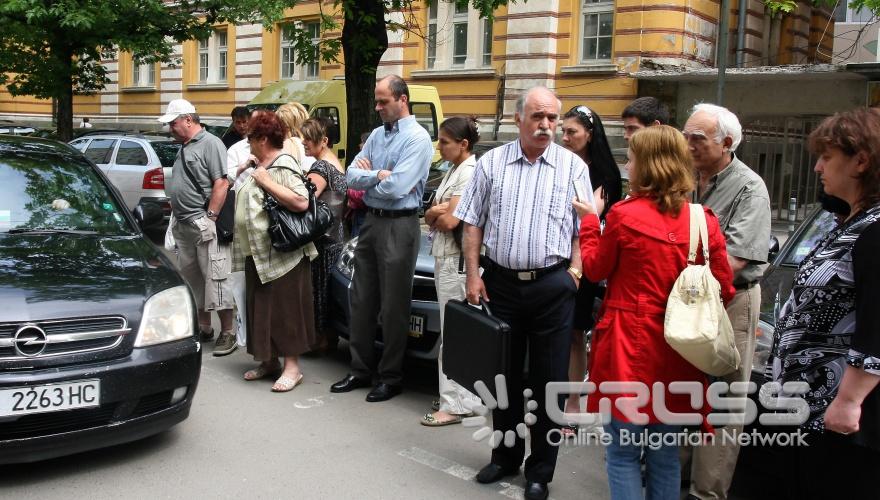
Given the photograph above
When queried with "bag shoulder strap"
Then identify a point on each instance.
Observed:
(699, 233)
(189, 175)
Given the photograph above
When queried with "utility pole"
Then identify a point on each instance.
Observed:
(721, 48)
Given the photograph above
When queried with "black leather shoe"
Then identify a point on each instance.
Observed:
(536, 491)
(494, 472)
(350, 383)
(383, 392)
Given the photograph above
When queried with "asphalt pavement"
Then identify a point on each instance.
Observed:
(243, 441)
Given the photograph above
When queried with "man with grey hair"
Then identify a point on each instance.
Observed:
(518, 205)
(739, 198)
(199, 174)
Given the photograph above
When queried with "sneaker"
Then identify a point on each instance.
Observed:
(206, 336)
(225, 344)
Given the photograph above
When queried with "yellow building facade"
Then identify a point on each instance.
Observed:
(585, 50)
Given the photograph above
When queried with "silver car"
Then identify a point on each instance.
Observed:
(137, 165)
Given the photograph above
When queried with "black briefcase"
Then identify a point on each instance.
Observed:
(476, 345)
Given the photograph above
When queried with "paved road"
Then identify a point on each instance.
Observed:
(242, 441)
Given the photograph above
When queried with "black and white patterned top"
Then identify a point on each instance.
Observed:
(817, 331)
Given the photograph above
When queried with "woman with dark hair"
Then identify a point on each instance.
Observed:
(280, 312)
(583, 134)
(641, 252)
(328, 176)
(827, 335)
(457, 138)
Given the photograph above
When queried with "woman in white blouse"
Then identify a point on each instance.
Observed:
(457, 138)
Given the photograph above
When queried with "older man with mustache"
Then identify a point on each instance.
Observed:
(518, 205)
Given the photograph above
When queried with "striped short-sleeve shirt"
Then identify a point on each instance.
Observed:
(525, 208)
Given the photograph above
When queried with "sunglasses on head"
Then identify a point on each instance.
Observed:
(585, 114)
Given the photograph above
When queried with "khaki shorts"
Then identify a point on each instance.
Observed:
(204, 263)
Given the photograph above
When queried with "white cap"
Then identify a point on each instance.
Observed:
(176, 108)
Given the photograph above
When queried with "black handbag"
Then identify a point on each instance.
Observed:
(290, 231)
(226, 216)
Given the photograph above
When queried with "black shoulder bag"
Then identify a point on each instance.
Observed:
(226, 216)
(290, 231)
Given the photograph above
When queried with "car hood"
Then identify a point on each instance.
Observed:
(63, 275)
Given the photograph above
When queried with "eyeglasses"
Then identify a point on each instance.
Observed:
(584, 113)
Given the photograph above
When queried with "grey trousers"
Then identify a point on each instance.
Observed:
(712, 466)
(381, 291)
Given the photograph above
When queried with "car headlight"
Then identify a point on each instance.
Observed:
(345, 263)
(168, 316)
(763, 343)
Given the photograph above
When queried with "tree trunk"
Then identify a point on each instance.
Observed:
(364, 40)
(64, 97)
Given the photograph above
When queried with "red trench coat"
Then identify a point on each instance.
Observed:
(641, 253)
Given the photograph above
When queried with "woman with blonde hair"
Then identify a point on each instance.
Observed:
(641, 252)
(293, 115)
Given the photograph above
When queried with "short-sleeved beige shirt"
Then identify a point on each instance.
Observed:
(453, 184)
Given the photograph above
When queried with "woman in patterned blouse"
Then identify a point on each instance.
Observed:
(827, 335)
(329, 178)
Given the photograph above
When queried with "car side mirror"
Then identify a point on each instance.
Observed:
(147, 214)
(774, 248)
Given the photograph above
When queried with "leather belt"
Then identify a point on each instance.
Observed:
(744, 286)
(520, 274)
(384, 212)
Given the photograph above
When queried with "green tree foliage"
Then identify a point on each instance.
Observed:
(53, 48)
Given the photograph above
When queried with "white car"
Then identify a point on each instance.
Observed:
(136, 164)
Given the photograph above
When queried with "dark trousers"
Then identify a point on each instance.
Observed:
(384, 263)
(831, 466)
(540, 316)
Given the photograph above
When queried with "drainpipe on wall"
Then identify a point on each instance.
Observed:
(721, 48)
(741, 33)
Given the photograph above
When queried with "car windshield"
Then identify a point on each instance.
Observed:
(809, 238)
(55, 193)
(167, 152)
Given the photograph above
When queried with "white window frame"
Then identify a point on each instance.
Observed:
(441, 50)
(288, 68)
(311, 71)
(431, 41)
(213, 58)
(589, 8)
(143, 75)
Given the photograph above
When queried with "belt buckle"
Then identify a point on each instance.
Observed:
(525, 275)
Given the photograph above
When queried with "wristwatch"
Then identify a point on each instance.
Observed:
(211, 214)
(577, 274)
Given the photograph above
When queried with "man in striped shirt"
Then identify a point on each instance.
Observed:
(519, 206)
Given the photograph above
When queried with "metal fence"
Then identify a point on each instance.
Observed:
(776, 148)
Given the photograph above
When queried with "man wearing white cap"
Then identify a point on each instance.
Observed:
(199, 174)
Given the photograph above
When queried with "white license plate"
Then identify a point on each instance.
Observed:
(50, 397)
(416, 325)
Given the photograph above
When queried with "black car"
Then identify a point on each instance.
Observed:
(98, 340)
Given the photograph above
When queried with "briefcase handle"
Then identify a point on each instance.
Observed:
(485, 306)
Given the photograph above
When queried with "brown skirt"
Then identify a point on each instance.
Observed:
(281, 313)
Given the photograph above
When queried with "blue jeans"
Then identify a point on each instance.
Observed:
(623, 462)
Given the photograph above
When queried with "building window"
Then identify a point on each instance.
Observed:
(432, 35)
(487, 42)
(289, 68)
(314, 32)
(143, 75)
(457, 37)
(460, 36)
(288, 56)
(213, 58)
(598, 27)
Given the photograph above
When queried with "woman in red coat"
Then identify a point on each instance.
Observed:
(641, 252)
